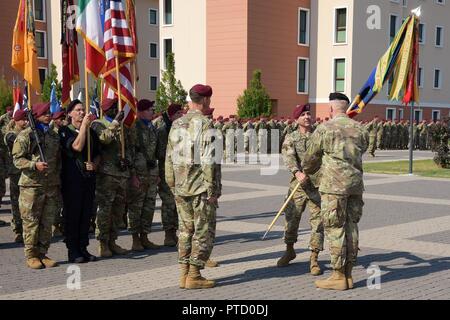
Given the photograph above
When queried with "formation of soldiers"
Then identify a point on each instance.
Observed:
(137, 163)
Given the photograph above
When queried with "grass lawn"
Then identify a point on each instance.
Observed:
(425, 168)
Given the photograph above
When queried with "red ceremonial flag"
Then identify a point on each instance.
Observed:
(69, 42)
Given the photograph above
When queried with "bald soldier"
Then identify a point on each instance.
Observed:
(336, 148)
(293, 151)
(191, 175)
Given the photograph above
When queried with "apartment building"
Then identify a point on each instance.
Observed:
(345, 49)
(222, 42)
(9, 14)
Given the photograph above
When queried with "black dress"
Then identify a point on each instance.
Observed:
(78, 189)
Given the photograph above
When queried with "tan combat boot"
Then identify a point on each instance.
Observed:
(211, 263)
(348, 275)
(171, 238)
(137, 245)
(288, 256)
(314, 264)
(148, 244)
(337, 281)
(184, 269)
(34, 263)
(103, 249)
(116, 249)
(195, 280)
(48, 263)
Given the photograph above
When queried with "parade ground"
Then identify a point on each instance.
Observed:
(404, 242)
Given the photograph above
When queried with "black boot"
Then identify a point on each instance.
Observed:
(76, 257)
(87, 256)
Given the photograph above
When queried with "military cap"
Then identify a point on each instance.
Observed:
(145, 104)
(58, 115)
(20, 115)
(109, 103)
(40, 109)
(202, 90)
(299, 110)
(209, 112)
(72, 105)
(174, 108)
(339, 96)
(220, 118)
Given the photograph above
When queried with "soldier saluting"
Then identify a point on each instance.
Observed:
(336, 148)
(293, 151)
(39, 185)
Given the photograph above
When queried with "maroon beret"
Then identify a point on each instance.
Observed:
(145, 104)
(209, 112)
(9, 108)
(41, 109)
(58, 115)
(202, 90)
(109, 103)
(20, 115)
(232, 116)
(220, 118)
(174, 108)
(299, 110)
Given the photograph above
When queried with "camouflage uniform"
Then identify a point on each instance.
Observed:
(111, 180)
(169, 215)
(192, 183)
(336, 148)
(263, 137)
(5, 120)
(293, 151)
(142, 200)
(373, 128)
(14, 176)
(39, 191)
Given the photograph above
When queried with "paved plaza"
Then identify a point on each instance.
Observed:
(404, 233)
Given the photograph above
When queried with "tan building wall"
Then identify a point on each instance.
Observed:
(188, 34)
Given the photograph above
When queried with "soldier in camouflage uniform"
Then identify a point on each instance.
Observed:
(144, 181)
(20, 123)
(293, 150)
(423, 133)
(169, 214)
(373, 128)
(263, 134)
(229, 133)
(112, 177)
(5, 120)
(191, 175)
(39, 186)
(336, 148)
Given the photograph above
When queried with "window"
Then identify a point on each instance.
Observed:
(167, 50)
(41, 44)
(39, 10)
(42, 75)
(400, 114)
(420, 77)
(302, 75)
(341, 25)
(153, 50)
(168, 14)
(390, 113)
(404, 3)
(153, 83)
(442, 2)
(436, 115)
(437, 79)
(153, 17)
(339, 75)
(303, 26)
(393, 24)
(439, 36)
(417, 115)
(422, 33)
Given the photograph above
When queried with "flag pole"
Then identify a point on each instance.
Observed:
(29, 96)
(122, 142)
(134, 77)
(101, 95)
(86, 85)
(411, 139)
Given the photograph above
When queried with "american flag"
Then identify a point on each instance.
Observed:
(118, 42)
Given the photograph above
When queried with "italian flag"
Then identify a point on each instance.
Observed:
(89, 26)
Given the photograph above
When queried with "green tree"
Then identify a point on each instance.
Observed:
(170, 90)
(255, 100)
(52, 76)
(6, 97)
